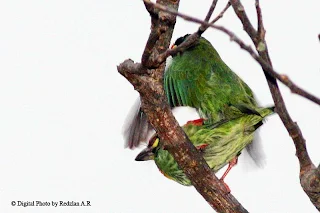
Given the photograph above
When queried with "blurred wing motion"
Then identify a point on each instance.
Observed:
(255, 150)
(137, 127)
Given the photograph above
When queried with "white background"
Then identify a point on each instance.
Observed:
(63, 104)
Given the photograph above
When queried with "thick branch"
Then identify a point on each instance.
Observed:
(150, 86)
(310, 182)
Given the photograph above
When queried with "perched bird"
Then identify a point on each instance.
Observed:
(219, 144)
(199, 78)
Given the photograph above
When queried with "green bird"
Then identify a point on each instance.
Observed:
(219, 144)
(198, 78)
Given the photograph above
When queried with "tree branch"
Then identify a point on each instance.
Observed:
(212, 7)
(309, 174)
(154, 103)
(191, 40)
(261, 31)
(203, 28)
(221, 13)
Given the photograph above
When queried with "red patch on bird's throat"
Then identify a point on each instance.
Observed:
(198, 122)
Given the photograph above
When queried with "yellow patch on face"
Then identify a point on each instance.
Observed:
(156, 143)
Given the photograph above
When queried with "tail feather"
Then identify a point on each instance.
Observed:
(264, 112)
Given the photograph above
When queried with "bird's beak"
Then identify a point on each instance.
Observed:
(145, 154)
(173, 46)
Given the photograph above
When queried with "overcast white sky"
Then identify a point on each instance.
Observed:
(63, 104)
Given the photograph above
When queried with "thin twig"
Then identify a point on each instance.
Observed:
(191, 40)
(203, 28)
(221, 13)
(176, 13)
(209, 14)
(261, 31)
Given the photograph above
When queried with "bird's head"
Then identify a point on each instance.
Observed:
(202, 45)
(149, 152)
(179, 41)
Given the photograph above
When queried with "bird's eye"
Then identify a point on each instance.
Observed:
(155, 143)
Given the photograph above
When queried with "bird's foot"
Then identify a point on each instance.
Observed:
(232, 163)
(197, 122)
